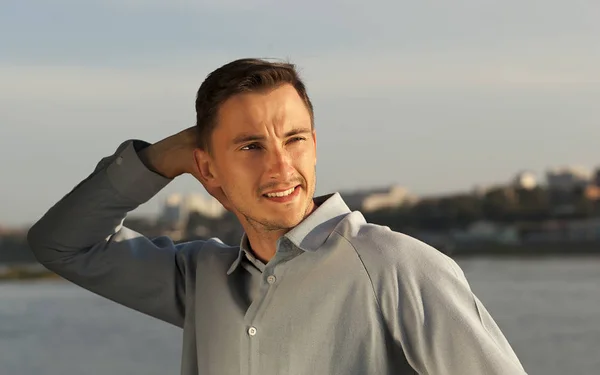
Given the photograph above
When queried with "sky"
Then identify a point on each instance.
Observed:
(434, 96)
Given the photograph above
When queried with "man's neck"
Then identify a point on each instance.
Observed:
(263, 242)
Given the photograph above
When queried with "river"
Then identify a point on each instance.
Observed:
(548, 308)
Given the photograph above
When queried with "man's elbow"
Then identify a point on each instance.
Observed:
(38, 239)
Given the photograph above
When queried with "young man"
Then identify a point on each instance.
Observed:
(311, 289)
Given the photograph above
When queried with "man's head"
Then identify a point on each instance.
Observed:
(258, 144)
(237, 77)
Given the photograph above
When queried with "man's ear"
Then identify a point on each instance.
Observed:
(205, 170)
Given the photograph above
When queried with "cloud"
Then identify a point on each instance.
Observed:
(327, 75)
(93, 84)
(205, 4)
(440, 71)
(477, 35)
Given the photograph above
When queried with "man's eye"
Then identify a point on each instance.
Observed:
(297, 139)
(252, 146)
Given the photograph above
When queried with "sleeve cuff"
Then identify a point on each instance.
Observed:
(131, 178)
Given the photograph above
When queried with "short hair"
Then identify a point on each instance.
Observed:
(242, 76)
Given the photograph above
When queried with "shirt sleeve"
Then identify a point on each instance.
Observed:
(433, 315)
(82, 239)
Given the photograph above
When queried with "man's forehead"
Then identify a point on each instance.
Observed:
(261, 118)
(248, 136)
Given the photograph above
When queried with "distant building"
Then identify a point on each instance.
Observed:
(505, 192)
(597, 177)
(592, 192)
(177, 207)
(487, 231)
(13, 231)
(525, 180)
(583, 230)
(354, 199)
(15, 249)
(396, 196)
(205, 205)
(481, 190)
(578, 231)
(378, 198)
(568, 178)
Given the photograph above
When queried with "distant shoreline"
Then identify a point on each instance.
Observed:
(525, 251)
(24, 272)
(37, 272)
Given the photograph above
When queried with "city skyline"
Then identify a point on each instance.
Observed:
(436, 98)
(564, 177)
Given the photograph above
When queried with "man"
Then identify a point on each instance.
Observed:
(311, 289)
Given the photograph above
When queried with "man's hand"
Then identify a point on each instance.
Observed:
(174, 156)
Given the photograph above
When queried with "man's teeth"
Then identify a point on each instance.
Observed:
(281, 193)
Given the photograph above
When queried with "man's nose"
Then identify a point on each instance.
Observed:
(280, 165)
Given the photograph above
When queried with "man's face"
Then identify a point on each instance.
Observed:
(264, 157)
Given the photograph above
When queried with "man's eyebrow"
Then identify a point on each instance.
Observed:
(246, 137)
(243, 138)
(297, 131)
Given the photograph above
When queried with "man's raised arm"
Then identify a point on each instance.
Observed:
(82, 239)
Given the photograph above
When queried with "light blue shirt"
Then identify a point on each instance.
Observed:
(340, 297)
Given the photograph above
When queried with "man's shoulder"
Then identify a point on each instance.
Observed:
(383, 250)
(206, 249)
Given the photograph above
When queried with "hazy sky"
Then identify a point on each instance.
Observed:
(435, 96)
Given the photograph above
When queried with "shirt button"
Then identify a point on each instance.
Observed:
(119, 160)
(271, 279)
(252, 331)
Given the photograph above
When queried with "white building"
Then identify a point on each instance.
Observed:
(525, 180)
(568, 178)
(177, 207)
(378, 198)
(205, 205)
(396, 196)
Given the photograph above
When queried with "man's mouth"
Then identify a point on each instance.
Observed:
(282, 193)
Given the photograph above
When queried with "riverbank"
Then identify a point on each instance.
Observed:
(35, 271)
(26, 272)
(526, 251)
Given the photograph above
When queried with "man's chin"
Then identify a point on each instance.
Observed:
(278, 216)
(278, 222)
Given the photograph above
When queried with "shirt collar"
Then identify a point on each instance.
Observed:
(312, 232)
(244, 246)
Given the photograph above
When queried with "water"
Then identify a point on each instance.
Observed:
(548, 309)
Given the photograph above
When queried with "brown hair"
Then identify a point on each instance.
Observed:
(239, 76)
